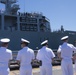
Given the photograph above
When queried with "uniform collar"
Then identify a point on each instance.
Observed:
(25, 47)
(44, 47)
(3, 47)
(65, 43)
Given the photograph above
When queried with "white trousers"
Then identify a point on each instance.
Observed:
(67, 67)
(46, 70)
(26, 70)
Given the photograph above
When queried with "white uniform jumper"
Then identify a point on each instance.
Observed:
(45, 55)
(66, 55)
(5, 56)
(25, 57)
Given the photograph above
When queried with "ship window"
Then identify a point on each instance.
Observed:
(22, 19)
(28, 27)
(32, 20)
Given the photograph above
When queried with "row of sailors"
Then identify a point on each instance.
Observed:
(45, 55)
(29, 14)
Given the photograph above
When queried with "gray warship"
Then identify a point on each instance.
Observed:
(34, 27)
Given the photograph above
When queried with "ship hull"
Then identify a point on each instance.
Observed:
(35, 38)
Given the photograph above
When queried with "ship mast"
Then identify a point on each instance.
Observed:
(9, 8)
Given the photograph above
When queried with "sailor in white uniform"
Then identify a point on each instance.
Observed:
(74, 59)
(66, 51)
(45, 55)
(5, 56)
(25, 57)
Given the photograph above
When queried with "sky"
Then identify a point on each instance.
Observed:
(59, 12)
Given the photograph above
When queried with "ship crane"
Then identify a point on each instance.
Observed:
(10, 6)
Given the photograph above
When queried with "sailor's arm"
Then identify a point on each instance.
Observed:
(18, 59)
(10, 59)
(39, 61)
(74, 55)
(59, 52)
(53, 56)
(74, 48)
(33, 57)
(52, 60)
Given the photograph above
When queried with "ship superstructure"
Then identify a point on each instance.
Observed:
(11, 19)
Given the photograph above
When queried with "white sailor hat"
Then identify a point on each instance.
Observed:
(5, 40)
(65, 37)
(23, 40)
(44, 42)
